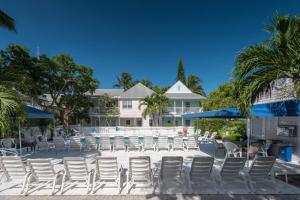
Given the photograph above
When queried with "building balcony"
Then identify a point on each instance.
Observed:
(180, 110)
(113, 111)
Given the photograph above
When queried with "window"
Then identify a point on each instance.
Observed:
(187, 104)
(127, 104)
(128, 122)
(139, 122)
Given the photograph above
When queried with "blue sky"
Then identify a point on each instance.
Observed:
(145, 38)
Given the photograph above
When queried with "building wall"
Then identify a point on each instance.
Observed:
(134, 112)
(266, 128)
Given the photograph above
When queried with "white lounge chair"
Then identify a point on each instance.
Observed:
(107, 171)
(140, 173)
(203, 139)
(170, 171)
(105, 144)
(75, 144)
(76, 170)
(260, 175)
(212, 137)
(42, 172)
(8, 146)
(42, 143)
(178, 143)
(119, 143)
(200, 173)
(231, 172)
(148, 143)
(232, 150)
(14, 170)
(191, 143)
(133, 143)
(59, 143)
(163, 143)
(91, 143)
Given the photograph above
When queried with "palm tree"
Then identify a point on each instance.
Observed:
(194, 83)
(154, 105)
(9, 105)
(259, 66)
(124, 81)
(7, 21)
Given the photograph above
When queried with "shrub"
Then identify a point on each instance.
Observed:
(233, 137)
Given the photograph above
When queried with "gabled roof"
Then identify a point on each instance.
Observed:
(180, 91)
(138, 91)
(190, 96)
(179, 87)
(114, 93)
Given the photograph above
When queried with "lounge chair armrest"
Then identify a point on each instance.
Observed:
(91, 171)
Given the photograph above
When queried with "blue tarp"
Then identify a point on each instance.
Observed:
(34, 113)
(274, 109)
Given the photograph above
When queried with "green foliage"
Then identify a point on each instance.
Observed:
(7, 21)
(221, 126)
(67, 83)
(223, 97)
(180, 72)
(194, 83)
(258, 66)
(145, 82)
(233, 137)
(125, 81)
(154, 105)
(10, 104)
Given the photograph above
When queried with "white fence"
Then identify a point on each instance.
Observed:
(133, 131)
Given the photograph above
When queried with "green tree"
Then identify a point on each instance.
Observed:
(10, 104)
(258, 66)
(7, 21)
(223, 97)
(194, 83)
(180, 72)
(125, 81)
(153, 107)
(66, 83)
(109, 108)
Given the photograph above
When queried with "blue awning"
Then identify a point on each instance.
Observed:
(34, 113)
(274, 109)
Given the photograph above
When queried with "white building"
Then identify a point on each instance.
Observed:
(128, 111)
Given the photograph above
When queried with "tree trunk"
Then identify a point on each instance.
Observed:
(66, 121)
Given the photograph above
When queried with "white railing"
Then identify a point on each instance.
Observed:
(181, 110)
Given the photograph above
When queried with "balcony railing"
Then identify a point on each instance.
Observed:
(104, 111)
(180, 110)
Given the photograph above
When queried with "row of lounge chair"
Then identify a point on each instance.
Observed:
(119, 144)
(140, 173)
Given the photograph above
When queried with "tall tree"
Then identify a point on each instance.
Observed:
(258, 66)
(180, 72)
(66, 83)
(194, 83)
(6, 21)
(124, 81)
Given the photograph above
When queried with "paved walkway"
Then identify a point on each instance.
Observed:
(156, 197)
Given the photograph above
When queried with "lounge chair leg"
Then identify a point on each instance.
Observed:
(63, 184)
(94, 183)
(27, 185)
(24, 182)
